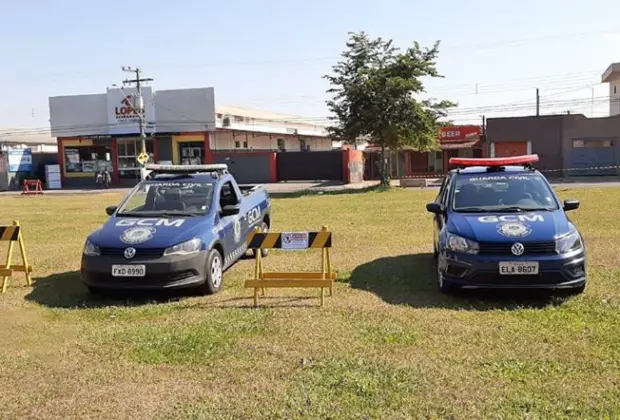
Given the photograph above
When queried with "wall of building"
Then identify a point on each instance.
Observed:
(233, 140)
(544, 134)
(173, 111)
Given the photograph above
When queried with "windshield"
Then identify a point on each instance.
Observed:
(177, 198)
(502, 192)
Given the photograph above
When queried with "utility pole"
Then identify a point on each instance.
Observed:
(138, 106)
(537, 102)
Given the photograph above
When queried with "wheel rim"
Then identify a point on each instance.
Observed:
(216, 271)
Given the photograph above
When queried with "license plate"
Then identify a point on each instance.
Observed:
(128, 270)
(518, 268)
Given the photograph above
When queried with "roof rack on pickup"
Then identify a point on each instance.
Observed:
(495, 163)
(216, 169)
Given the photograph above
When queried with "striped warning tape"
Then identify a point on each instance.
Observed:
(441, 174)
(9, 233)
(273, 240)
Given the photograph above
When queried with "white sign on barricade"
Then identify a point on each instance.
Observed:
(294, 240)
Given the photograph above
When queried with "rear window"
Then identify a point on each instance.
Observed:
(491, 192)
(169, 197)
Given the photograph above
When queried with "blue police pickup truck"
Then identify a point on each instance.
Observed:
(179, 228)
(499, 224)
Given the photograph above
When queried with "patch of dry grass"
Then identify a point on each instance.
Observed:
(386, 345)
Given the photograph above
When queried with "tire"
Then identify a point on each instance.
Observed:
(214, 273)
(263, 252)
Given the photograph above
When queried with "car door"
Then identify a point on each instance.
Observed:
(439, 220)
(229, 225)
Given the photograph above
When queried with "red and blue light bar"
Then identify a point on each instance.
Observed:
(501, 161)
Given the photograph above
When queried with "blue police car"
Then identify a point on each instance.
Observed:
(180, 228)
(499, 224)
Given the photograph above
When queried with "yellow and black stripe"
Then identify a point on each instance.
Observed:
(259, 240)
(9, 233)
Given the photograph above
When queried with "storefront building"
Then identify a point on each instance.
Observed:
(454, 141)
(101, 132)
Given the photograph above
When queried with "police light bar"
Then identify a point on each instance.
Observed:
(171, 169)
(524, 160)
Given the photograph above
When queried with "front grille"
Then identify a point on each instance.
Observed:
(140, 252)
(531, 248)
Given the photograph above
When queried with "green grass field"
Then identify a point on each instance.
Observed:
(386, 345)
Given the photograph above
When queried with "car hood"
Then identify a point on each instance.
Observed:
(503, 227)
(149, 232)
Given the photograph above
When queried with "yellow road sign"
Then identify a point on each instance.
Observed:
(142, 158)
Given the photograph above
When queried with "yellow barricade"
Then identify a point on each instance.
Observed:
(323, 279)
(12, 234)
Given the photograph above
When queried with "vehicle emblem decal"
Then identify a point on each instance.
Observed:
(237, 229)
(514, 229)
(130, 253)
(137, 235)
(517, 249)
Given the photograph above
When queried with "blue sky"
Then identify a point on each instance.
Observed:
(271, 54)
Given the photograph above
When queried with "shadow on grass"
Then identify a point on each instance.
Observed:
(264, 302)
(65, 290)
(313, 192)
(410, 280)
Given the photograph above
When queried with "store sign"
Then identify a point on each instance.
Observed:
(124, 115)
(20, 160)
(459, 133)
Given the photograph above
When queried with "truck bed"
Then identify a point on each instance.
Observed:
(249, 189)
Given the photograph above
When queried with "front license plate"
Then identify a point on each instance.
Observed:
(129, 270)
(518, 268)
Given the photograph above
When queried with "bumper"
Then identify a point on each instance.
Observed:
(474, 272)
(174, 272)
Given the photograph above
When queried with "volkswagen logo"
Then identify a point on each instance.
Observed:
(517, 249)
(131, 252)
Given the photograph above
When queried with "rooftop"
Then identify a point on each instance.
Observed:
(612, 73)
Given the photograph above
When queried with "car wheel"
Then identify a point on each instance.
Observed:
(443, 285)
(214, 273)
(263, 252)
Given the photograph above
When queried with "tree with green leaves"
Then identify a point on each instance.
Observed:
(375, 91)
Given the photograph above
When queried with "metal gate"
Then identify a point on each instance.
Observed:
(247, 168)
(310, 166)
(587, 156)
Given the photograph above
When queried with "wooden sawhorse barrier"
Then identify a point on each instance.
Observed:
(323, 279)
(11, 234)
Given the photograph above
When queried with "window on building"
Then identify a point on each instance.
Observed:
(237, 144)
(88, 159)
(128, 149)
(593, 143)
(614, 89)
(302, 144)
(219, 116)
(281, 145)
(238, 119)
(438, 155)
(477, 153)
(245, 144)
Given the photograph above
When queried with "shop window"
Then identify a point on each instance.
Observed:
(191, 152)
(87, 159)
(128, 149)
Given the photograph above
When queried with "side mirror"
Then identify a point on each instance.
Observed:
(436, 208)
(110, 210)
(571, 205)
(230, 210)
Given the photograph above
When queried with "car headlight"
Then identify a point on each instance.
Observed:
(91, 249)
(459, 244)
(185, 248)
(568, 243)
